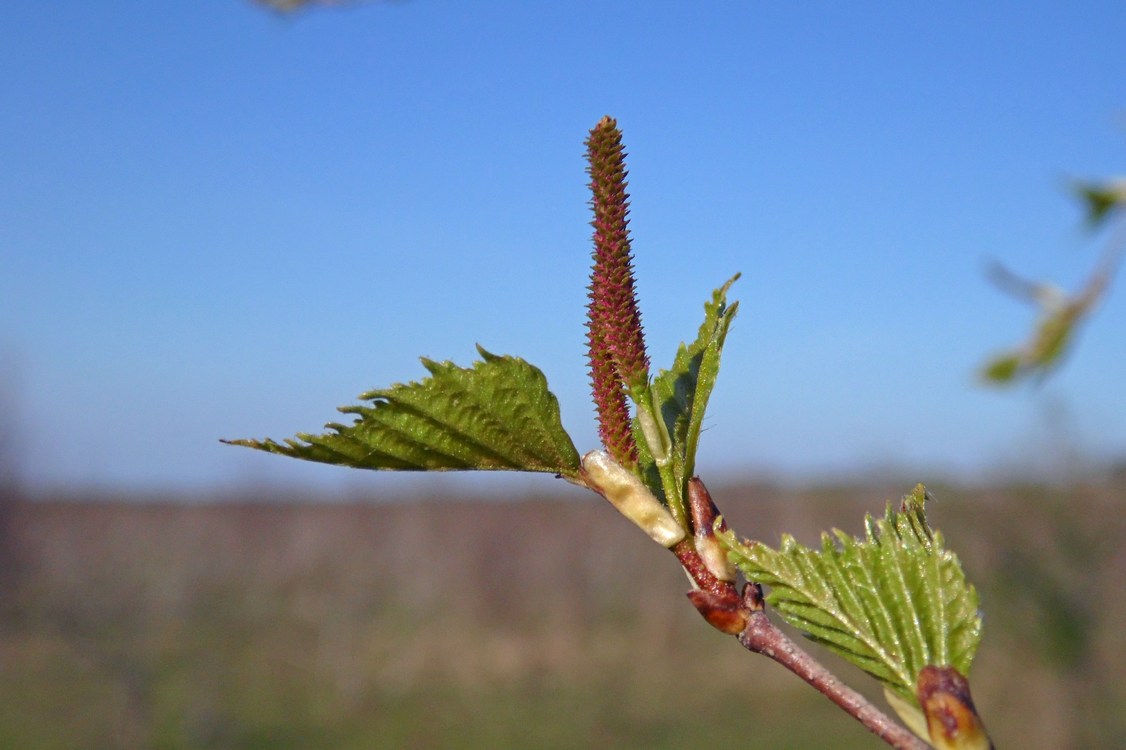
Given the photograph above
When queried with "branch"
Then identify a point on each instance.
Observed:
(762, 636)
(745, 618)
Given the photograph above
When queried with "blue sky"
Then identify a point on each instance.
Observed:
(216, 221)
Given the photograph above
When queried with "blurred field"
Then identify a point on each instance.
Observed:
(547, 623)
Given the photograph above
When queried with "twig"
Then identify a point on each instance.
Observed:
(745, 618)
(762, 636)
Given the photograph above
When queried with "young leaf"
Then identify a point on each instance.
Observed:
(1061, 316)
(680, 394)
(1102, 199)
(891, 603)
(497, 415)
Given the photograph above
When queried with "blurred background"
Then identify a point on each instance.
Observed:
(223, 221)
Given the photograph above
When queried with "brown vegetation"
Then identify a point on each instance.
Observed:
(540, 623)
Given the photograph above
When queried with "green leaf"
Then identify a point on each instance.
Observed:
(497, 415)
(680, 395)
(890, 603)
(1042, 353)
(1060, 319)
(1102, 199)
(909, 712)
(1003, 368)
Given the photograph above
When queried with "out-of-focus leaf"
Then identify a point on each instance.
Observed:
(1002, 368)
(891, 603)
(1102, 199)
(1060, 314)
(497, 415)
(1060, 319)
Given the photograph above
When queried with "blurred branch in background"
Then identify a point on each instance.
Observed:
(287, 6)
(1060, 314)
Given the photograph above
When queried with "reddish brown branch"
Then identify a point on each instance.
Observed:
(698, 571)
(763, 637)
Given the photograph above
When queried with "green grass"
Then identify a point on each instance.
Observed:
(250, 707)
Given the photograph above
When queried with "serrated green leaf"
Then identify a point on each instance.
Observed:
(891, 603)
(496, 415)
(680, 394)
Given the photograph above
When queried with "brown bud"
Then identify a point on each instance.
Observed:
(704, 514)
(724, 613)
(753, 600)
(952, 719)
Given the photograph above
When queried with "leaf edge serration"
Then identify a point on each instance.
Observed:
(497, 415)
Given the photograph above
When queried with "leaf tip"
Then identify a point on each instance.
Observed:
(244, 442)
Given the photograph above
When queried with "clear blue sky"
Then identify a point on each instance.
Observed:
(220, 222)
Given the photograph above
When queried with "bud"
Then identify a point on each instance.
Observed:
(725, 614)
(704, 514)
(952, 720)
(631, 497)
